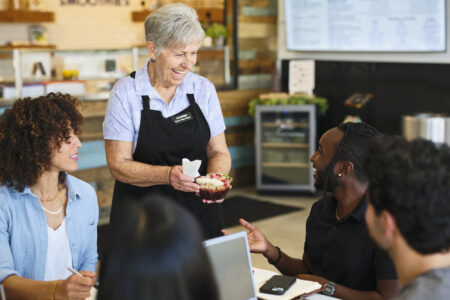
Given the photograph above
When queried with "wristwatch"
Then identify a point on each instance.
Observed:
(329, 288)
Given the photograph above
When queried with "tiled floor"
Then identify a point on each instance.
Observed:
(286, 231)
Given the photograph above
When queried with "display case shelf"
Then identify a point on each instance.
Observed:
(286, 124)
(285, 145)
(204, 15)
(25, 16)
(285, 140)
(285, 165)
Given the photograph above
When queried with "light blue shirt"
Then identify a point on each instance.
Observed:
(123, 113)
(23, 230)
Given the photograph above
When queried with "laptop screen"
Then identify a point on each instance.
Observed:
(230, 259)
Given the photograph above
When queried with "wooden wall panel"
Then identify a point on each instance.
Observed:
(257, 43)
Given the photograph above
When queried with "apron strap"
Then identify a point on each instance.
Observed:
(191, 99)
(146, 102)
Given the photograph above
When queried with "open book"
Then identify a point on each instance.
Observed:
(300, 287)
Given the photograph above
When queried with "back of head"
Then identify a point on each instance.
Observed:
(353, 145)
(174, 24)
(411, 181)
(156, 253)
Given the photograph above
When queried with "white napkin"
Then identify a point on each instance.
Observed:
(191, 167)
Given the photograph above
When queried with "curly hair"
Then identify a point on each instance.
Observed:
(411, 181)
(29, 133)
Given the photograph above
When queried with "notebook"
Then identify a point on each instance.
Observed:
(230, 259)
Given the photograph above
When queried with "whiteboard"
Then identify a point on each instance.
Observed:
(366, 25)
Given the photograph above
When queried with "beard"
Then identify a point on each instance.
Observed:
(326, 180)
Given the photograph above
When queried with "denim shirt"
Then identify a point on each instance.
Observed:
(23, 230)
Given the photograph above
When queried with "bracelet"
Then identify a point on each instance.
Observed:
(53, 291)
(275, 263)
(168, 175)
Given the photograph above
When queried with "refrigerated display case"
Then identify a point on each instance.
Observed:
(285, 140)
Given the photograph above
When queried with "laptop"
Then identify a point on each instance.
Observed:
(230, 260)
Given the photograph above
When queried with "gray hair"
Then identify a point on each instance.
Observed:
(174, 24)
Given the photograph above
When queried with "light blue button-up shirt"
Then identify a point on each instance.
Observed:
(123, 113)
(23, 230)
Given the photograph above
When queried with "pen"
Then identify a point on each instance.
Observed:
(2, 292)
(78, 273)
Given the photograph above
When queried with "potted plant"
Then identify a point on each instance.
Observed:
(218, 32)
(286, 99)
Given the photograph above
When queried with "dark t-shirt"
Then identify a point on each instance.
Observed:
(342, 251)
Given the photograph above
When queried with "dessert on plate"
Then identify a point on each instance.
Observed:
(214, 186)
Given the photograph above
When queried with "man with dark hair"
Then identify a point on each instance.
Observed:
(409, 212)
(338, 251)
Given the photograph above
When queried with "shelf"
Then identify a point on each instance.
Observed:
(204, 15)
(302, 125)
(285, 145)
(285, 165)
(34, 47)
(258, 19)
(25, 16)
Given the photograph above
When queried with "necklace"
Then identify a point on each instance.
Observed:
(54, 197)
(60, 207)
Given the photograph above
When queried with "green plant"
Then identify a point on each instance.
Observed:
(277, 99)
(217, 30)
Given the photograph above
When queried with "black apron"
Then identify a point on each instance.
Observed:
(164, 142)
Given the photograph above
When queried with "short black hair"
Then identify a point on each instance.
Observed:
(411, 180)
(353, 146)
(156, 253)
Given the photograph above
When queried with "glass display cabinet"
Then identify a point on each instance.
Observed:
(285, 140)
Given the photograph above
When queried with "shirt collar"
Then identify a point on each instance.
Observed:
(143, 85)
(72, 193)
(357, 213)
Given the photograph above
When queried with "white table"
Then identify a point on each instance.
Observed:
(299, 287)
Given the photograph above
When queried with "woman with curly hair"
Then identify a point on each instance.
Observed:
(48, 219)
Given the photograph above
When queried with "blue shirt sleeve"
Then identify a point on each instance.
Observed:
(214, 116)
(89, 259)
(118, 123)
(7, 267)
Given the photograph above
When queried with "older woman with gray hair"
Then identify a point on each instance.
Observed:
(163, 113)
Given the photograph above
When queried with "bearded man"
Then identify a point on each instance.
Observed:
(338, 252)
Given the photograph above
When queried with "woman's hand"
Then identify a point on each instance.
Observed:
(256, 239)
(75, 287)
(182, 182)
(212, 201)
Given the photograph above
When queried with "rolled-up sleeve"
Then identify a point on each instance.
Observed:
(7, 267)
(118, 123)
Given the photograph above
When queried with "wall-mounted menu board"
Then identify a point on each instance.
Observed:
(366, 25)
